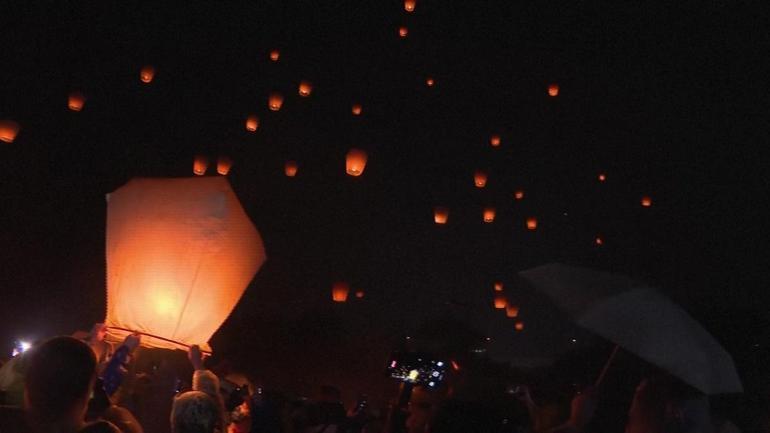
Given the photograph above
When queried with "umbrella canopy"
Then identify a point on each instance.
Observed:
(641, 321)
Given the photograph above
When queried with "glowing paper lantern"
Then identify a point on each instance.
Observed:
(275, 101)
(494, 140)
(275, 55)
(355, 162)
(403, 31)
(360, 294)
(489, 214)
(553, 90)
(180, 253)
(512, 311)
(519, 194)
(224, 164)
(500, 301)
(602, 177)
(305, 88)
(200, 165)
(340, 291)
(8, 130)
(646, 201)
(356, 109)
(429, 81)
(252, 123)
(409, 5)
(599, 240)
(75, 101)
(519, 326)
(531, 223)
(480, 179)
(440, 215)
(498, 286)
(147, 73)
(290, 168)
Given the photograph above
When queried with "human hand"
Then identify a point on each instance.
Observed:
(195, 356)
(98, 332)
(132, 341)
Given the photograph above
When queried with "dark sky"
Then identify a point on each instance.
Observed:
(668, 101)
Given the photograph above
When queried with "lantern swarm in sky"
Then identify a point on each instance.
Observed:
(180, 253)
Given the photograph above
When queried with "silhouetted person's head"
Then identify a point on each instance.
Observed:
(60, 375)
(195, 412)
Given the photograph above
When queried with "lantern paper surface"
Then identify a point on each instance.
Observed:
(180, 253)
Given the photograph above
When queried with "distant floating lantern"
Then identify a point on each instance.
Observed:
(200, 165)
(494, 140)
(252, 122)
(519, 326)
(512, 311)
(355, 162)
(489, 215)
(290, 168)
(498, 286)
(519, 194)
(340, 291)
(500, 301)
(356, 109)
(480, 179)
(360, 294)
(275, 55)
(409, 5)
(553, 89)
(429, 81)
(440, 215)
(224, 164)
(403, 31)
(275, 101)
(646, 201)
(531, 223)
(76, 101)
(599, 240)
(602, 177)
(305, 88)
(8, 130)
(147, 73)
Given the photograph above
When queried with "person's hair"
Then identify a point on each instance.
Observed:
(195, 412)
(60, 374)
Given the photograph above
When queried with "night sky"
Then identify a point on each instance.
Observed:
(668, 102)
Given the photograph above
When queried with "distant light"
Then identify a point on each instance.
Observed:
(602, 177)
(275, 55)
(531, 223)
(574, 340)
(646, 201)
(409, 5)
(455, 366)
(440, 364)
(553, 90)
(599, 241)
(565, 214)
(431, 383)
(519, 194)
(489, 339)
(408, 337)
(393, 364)
(435, 374)
(494, 140)
(429, 81)
(146, 74)
(413, 375)
(403, 31)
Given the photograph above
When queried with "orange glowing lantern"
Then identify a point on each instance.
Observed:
(305, 88)
(146, 74)
(531, 223)
(200, 165)
(290, 168)
(498, 286)
(602, 177)
(403, 31)
(519, 326)
(252, 122)
(500, 301)
(356, 109)
(409, 5)
(489, 214)
(480, 179)
(512, 311)
(429, 81)
(599, 240)
(8, 130)
(494, 140)
(553, 89)
(275, 101)
(360, 294)
(440, 215)
(355, 162)
(646, 201)
(180, 253)
(519, 194)
(275, 55)
(224, 164)
(340, 291)
(76, 101)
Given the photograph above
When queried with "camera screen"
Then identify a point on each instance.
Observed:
(418, 369)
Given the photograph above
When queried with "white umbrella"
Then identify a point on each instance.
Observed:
(640, 320)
